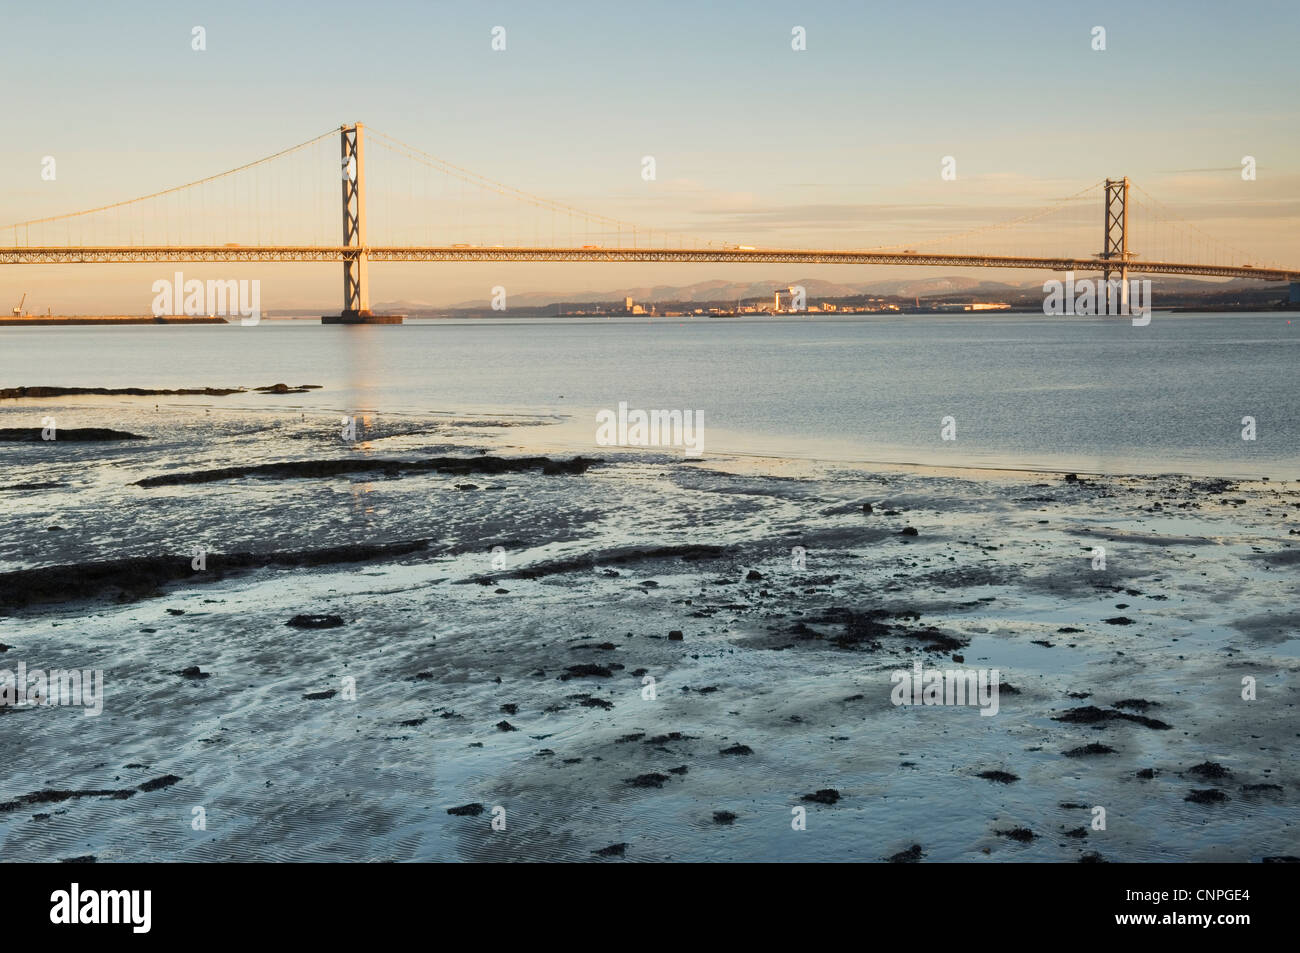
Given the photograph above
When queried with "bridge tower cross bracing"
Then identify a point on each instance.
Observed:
(356, 283)
(356, 300)
(1115, 240)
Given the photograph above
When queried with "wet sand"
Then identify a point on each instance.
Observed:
(514, 678)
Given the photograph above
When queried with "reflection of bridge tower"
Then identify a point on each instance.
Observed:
(1115, 241)
(356, 296)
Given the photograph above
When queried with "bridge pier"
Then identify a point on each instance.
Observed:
(356, 292)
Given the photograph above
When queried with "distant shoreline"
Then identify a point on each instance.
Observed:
(112, 319)
(115, 319)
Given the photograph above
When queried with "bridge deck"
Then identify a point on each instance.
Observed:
(201, 253)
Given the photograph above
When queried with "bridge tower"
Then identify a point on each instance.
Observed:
(1114, 246)
(356, 292)
(356, 300)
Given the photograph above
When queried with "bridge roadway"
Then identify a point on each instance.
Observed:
(11, 255)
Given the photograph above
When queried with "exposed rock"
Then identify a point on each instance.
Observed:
(166, 781)
(1022, 834)
(1001, 777)
(651, 780)
(65, 435)
(315, 622)
(912, 855)
(466, 810)
(1089, 749)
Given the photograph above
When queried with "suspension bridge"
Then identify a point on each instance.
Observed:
(265, 212)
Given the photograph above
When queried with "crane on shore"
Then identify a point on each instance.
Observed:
(18, 311)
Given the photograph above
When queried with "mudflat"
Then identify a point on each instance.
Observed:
(478, 647)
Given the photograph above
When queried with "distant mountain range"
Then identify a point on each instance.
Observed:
(818, 288)
(719, 290)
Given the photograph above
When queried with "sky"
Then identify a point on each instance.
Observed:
(836, 145)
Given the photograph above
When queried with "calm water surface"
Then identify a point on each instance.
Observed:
(1087, 394)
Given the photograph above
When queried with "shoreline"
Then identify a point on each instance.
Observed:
(471, 316)
(90, 319)
(555, 431)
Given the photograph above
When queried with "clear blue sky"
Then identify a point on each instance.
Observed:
(752, 140)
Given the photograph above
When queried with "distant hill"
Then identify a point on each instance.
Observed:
(720, 290)
(818, 288)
